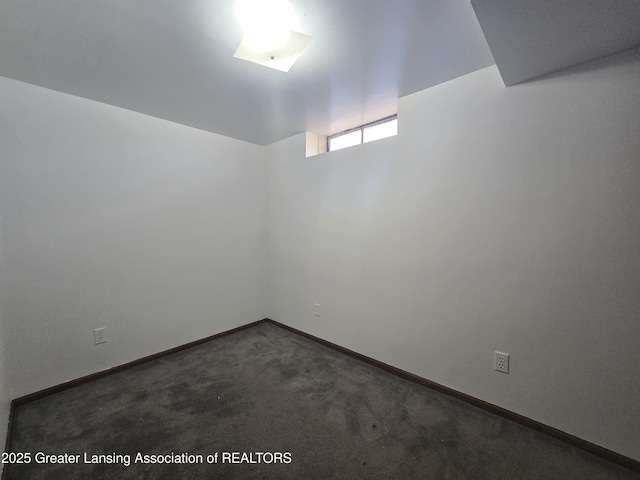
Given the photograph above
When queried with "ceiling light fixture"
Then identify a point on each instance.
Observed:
(266, 23)
(269, 38)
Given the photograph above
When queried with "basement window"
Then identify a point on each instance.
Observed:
(386, 127)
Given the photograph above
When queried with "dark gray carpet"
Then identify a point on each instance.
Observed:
(267, 390)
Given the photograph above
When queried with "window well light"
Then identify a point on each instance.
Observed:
(383, 128)
(269, 38)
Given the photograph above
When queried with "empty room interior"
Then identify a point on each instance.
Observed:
(172, 171)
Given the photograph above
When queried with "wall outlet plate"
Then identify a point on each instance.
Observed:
(501, 362)
(99, 335)
(316, 309)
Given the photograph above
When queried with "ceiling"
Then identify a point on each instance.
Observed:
(532, 38)
(173, 59)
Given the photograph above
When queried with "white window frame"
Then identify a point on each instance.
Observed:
(361, 128)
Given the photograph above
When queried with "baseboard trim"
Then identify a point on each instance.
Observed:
(119, 368)
(567, 438)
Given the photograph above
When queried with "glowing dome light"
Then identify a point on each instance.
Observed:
(266, 23)
(270, 36)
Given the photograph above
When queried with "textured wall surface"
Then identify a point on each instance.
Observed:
(114, 219)
(498, 219)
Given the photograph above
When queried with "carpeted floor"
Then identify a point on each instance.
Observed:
(295, 408)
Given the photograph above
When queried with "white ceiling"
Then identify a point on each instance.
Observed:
(532, 38)
(173, 59)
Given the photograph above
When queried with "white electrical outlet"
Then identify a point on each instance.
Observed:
(316, 309)
(501, 362)
(99, 335)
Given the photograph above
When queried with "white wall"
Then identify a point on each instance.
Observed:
(5, 391)
(5, 386)
(499, 219)
(114, 219)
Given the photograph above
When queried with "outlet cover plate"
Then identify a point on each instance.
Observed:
(501, 362)
(99, 335)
